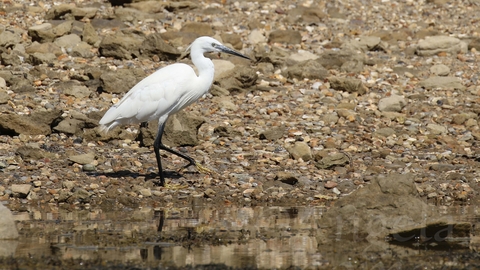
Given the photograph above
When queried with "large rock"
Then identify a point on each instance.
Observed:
(122, 45)
(345, 60)
(38, 123)
(8, 230)
(155, 45)
(300, 150)
(181, 130)
(350, 85)
(121, 80)
(240, 80)
(393, 103)
(285, 36)
(442, 82)
(437, 44)
(311, 69)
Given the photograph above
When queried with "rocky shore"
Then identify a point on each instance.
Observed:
(336, 95)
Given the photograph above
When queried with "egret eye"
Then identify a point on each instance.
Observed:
(214, 45)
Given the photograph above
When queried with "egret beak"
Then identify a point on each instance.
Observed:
(232, 52)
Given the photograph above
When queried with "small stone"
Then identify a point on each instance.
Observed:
(209, 193)
(330, 184)
(286, 177)
(37, 183)
(21, 190)
(88, 168)
(68, 185)
(145, 192)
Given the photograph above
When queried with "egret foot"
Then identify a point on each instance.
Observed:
(174, 186)
(200, 168)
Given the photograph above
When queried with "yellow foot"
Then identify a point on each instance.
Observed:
(200, 169)
(174, 186)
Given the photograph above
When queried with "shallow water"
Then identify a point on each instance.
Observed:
(240, 237)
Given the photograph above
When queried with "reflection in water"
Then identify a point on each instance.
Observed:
(257, 237)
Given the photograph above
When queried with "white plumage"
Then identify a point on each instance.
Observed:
(165, 92)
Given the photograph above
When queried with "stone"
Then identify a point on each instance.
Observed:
(301, 56)
(121, 45)
(306, 15)
(240, 80)
(21, 190)
(350, 85)
(42, 32)
(285, 36)
(384, 132)
(225, 131)
(223, 69)
(90, 35)
(393, 103)
(57, 12)
(256, 37)
(433, 45)
(81, 49)
(286, 177)
(332, 160)
(436, 129)
(83, 159)
(41, 58)
(345, 60)
(273, 133)
(440, 82)
(8, 229)
(300, 150)
(364, 44)
(440, 70)
(33, 152)
(70, 126)
(73, 88)
(330, 184)
(154, 45)
(311, 69)
(121, 80)
(233, 39)
(9, 39)
(47, 47)
(200, 29)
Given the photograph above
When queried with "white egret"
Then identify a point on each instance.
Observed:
(165, 92)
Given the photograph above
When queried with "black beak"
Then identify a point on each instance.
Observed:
(232, 52)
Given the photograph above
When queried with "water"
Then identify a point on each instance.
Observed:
(239, 237)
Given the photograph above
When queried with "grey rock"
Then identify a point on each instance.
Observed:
(435, 44)
(225, 131)
(333, 160)
(13, 58)
(330, 118)
(273, 133)
(442, 82)
(223, 69)
(364, 44)
(8, 229)
(122, 45)
(127, 14)
(41, 58)
(67, 41)
(63, 28)
(384, 132)
(42, 32)
(57, 12)
(393, 103)
(83, 159)
(300, 150)
(9, 39)
(241, 80)
(233, 39)
(84, 13)
(225, 103)
(72, 88)
(79, 195)
(286, 177)
(155, 45)
(69, 185)
(200, 29)
(345, 60)
(38, 123)
(70, 126)
(256, 37)
(47, 47)
(181, 129)
(33, 152)
(436, 129)
(350, 85)
(121, 80)
(306, 15)
(4, 97)
(440, 70)
(285, 36)
(311, 69)
(88, 168)
(81, 49)
(442, 167)
(21, 190)
(300, 56)
(90, 35)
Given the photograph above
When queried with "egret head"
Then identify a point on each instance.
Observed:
(208, 44)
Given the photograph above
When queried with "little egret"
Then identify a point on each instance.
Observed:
(165, 92)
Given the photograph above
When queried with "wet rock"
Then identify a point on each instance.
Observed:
(350, 85)
(21, 190)
(300, 150)
(8, 229)
(332, 160)
(311, 69)
(83, 159)
(121, 80)
(440, 70)
(181, 129)
(273, 133)
(286, 177)
(436, 44)
(285, 36)
(154, 45)
(122, 45)
(393, 103)
(442, 82)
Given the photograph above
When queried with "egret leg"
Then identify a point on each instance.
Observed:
(157, 145)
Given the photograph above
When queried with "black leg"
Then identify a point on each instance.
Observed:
(157, 145)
